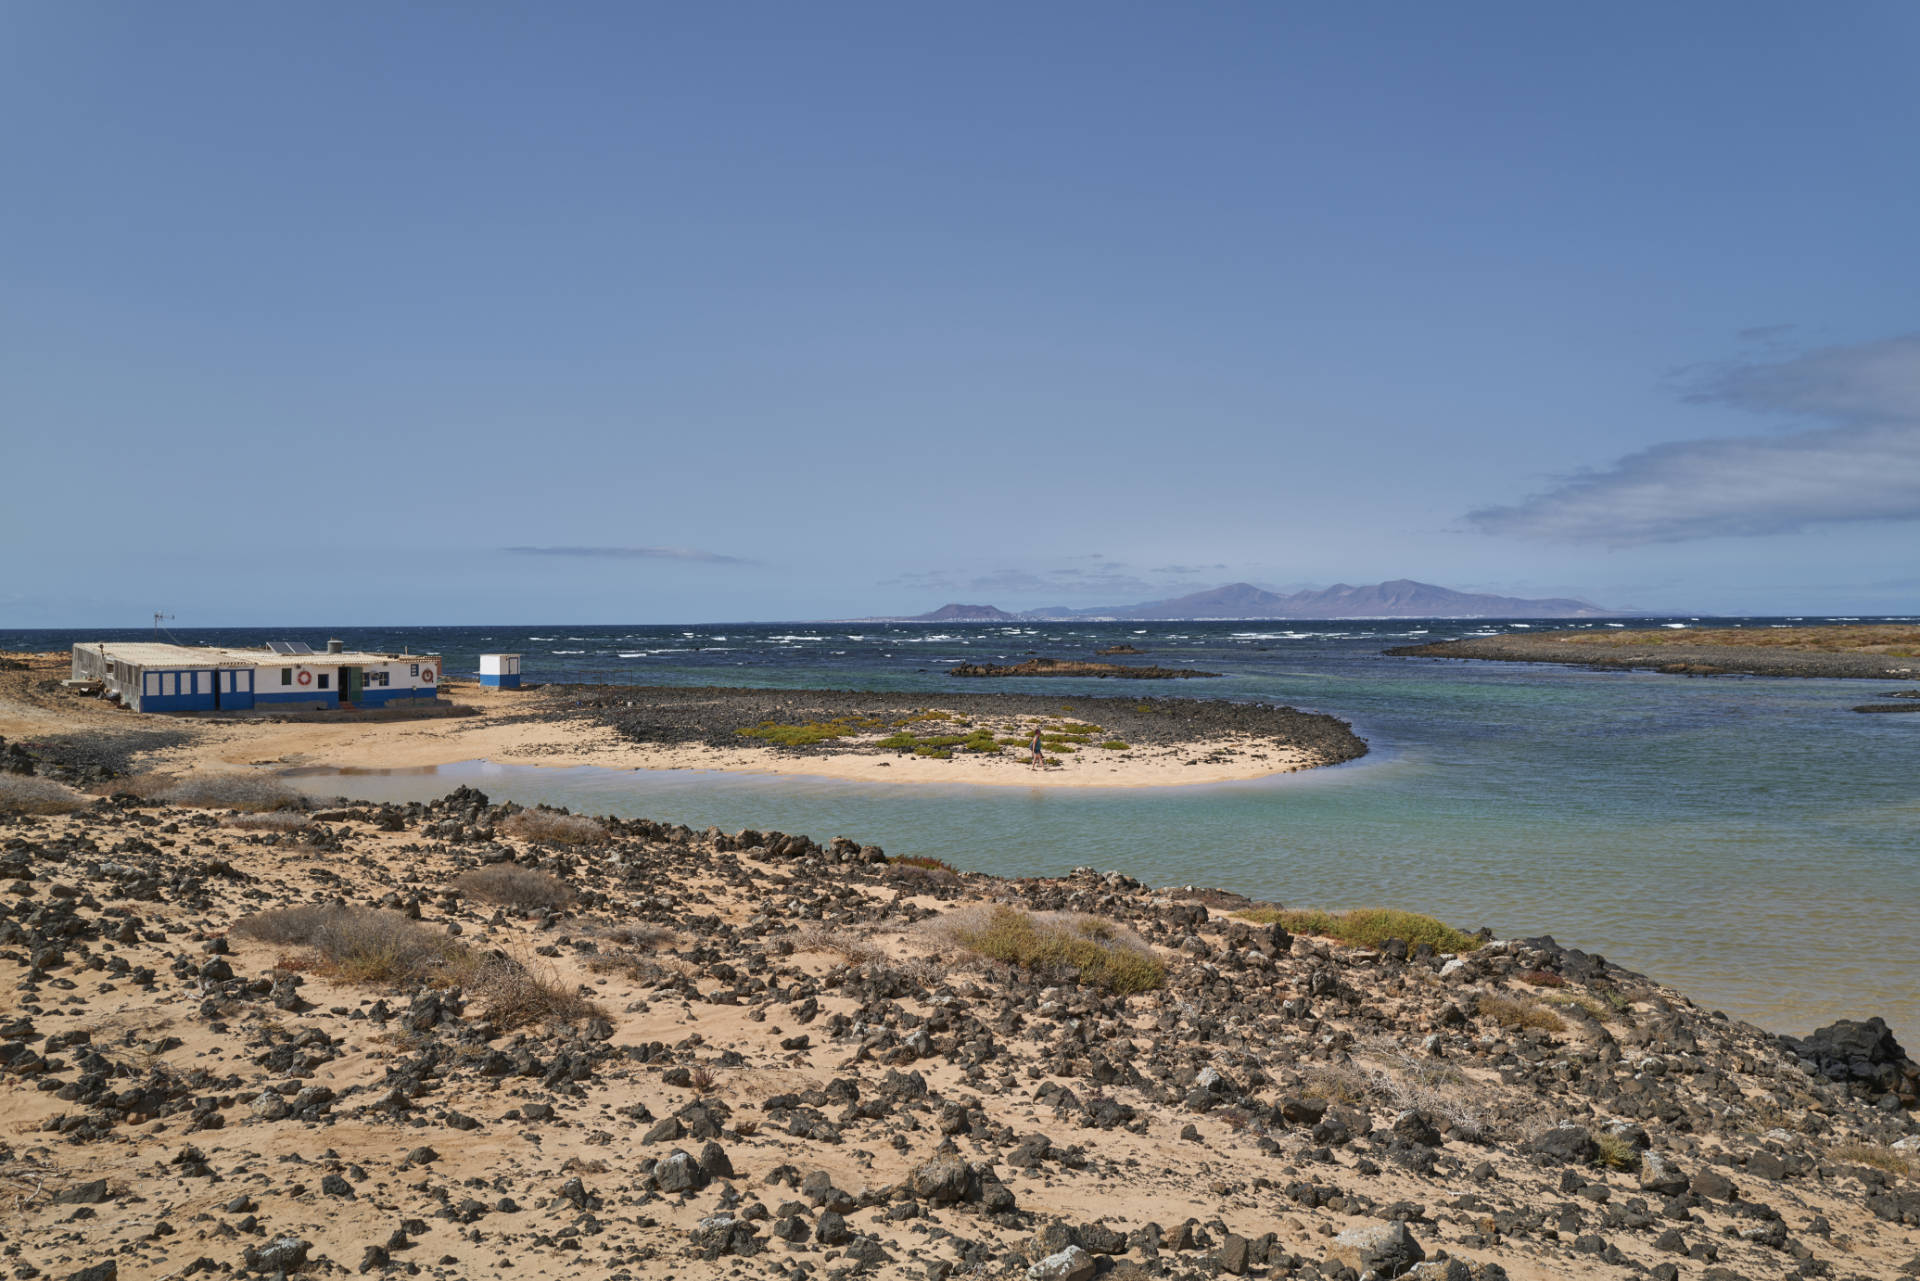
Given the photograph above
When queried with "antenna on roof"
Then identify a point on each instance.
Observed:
(158, 618)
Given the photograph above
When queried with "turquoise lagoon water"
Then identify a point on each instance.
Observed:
(1752, 841)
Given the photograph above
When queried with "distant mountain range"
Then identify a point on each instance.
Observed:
(1401, 598)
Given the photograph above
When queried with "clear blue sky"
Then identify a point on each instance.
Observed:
(696, 312)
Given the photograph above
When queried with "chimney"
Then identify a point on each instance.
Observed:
(336, 647)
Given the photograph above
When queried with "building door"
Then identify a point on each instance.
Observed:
(351, 679)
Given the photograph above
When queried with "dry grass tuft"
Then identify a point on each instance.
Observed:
(1367, 927)
(1541, 978)
(273, 821)
(251, 793)
(550, 827)
(1879, 1158)
(512, 885)
(1513, 1014)
(1065, 945)
(515, 996)
(364, 945)
(924, 861)
(640, 935)
(28, 794)
(1599, 1009)
(853, 948)
(1386, 1072)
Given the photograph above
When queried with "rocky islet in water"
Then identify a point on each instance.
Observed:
(1078, 667)
(1865, 652)
(717, 716)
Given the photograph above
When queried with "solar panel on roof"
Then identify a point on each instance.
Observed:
(278, 647)
(290, 647)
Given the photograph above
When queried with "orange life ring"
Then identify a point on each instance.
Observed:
(306, 678)
(426, 674)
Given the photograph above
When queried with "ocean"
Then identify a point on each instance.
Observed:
(1750, 840)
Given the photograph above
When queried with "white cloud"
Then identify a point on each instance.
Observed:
(1863, 466)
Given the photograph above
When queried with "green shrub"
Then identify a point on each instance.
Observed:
(804, 735)
(939, 746)
(1116, 745)
(1367, 927)
(1083, 949)
(1615, 1152)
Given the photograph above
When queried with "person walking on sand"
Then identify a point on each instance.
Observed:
(1039, 760)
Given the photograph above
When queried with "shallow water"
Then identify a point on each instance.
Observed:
(1749, 840)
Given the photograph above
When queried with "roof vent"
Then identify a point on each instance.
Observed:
(336, 647)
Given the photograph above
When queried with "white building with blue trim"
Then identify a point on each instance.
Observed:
(151, 677)
(500, 671)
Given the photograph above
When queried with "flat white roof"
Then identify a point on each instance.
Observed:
(155, 654)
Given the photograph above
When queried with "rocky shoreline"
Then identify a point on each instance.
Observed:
(1079, 667)
(771, 1056)
(715, 716)
(1676, 658)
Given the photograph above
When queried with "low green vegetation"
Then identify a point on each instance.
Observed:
(802, 735)
(952, 733)
(1367, 927)
(1084, 949)
(1615, 1152)
(979, 740)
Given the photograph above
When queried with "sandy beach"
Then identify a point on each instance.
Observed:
(575, 726)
